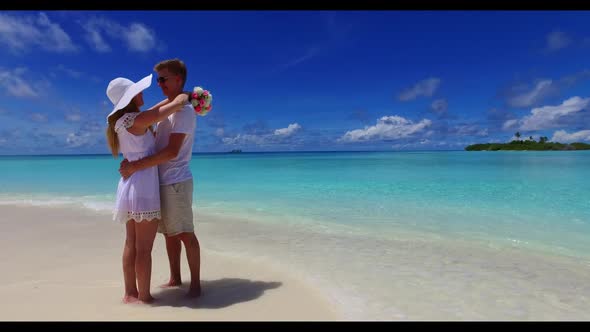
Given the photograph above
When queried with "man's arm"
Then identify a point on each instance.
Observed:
(169, 152)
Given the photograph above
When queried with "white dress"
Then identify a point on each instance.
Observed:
(138, 197)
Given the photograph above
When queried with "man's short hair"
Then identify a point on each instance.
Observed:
(175, 66)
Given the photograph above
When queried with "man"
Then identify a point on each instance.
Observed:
(174, 145)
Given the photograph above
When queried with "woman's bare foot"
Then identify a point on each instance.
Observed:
(147, 300)
(127, 299)
(171, 283)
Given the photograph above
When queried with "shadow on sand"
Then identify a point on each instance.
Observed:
(218, 293)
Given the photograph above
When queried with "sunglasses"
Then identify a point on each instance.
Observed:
(162, 79)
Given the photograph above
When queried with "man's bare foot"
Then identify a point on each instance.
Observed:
(127, 299)
(194, 292)
(171, 283)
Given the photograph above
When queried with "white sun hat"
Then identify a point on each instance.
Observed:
(121, 90)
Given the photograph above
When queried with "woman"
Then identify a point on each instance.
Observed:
(138, 198)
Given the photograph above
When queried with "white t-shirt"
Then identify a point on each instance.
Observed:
(184, 122)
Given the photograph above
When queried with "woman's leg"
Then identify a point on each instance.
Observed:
(144, 241)
(129, 263)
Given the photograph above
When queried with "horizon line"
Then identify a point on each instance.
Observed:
(228, 152)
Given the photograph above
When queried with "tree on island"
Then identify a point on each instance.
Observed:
(528, 145)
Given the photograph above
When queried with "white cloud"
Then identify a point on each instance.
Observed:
(14, 83)
(73, 117)
(557, 40)
(575, 78)
(425, 87)
(546, 116)
(70, 72)
(57, 39)
(471, 130)
(540, 91)
(38, 117)
(428, 144)
(219, 132)
(95, 27)
(137, 36)
(523, 95)
(94, 38)
(244, 139)
(140, 38)
(278, 136)
(440, 106)
(75, 140)
(510, 124)
(388, 127)
(289, 131)
(564, 137)
(311, 52)
(21, 33)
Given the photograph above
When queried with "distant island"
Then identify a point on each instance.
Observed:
(529, 144)
(236, 151)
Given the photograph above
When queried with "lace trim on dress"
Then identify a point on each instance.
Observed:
(137, 216)
(126, 121)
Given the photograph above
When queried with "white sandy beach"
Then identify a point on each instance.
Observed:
(65, 265)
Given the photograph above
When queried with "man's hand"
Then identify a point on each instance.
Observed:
(126, 169)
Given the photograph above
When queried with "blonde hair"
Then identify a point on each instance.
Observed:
(112, 137)
(175, 66)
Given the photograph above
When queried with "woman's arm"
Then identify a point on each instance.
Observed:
(159, 112)
(160, 104)
(127, 168)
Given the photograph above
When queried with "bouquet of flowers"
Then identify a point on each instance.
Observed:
(201, 100)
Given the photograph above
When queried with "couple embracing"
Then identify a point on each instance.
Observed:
(155, 191)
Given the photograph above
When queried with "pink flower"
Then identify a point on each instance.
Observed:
(208, 108)
(205, 93)
(202, 102)
(198, 109)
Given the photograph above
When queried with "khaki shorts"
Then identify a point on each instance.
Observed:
(176, 203)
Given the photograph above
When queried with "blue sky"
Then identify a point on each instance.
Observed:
(302, 80)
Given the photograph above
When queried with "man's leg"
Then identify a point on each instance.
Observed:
(168, 198)
(173, 248)
(177, 199)
(193, 255)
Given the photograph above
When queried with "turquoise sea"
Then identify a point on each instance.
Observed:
(540, 199)
(359, 222)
